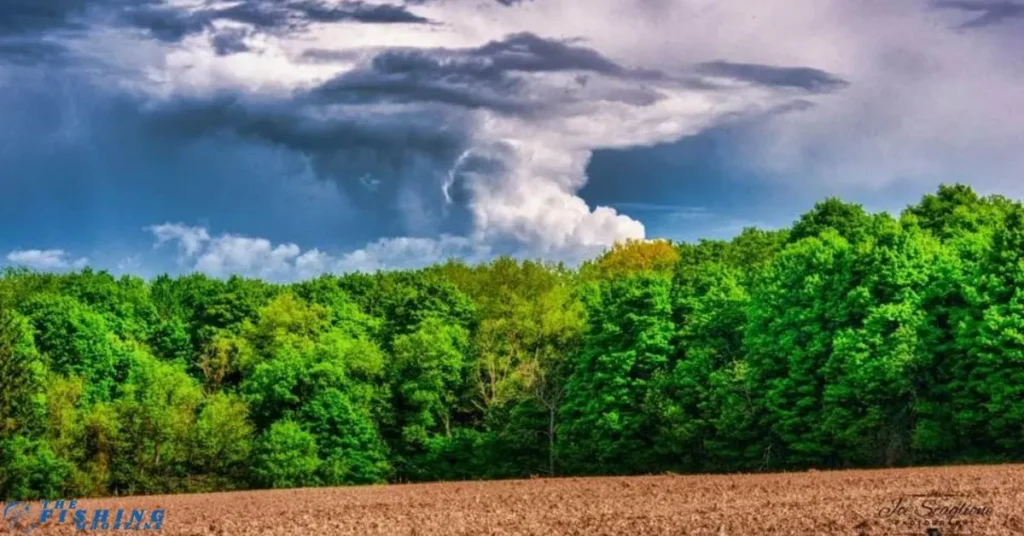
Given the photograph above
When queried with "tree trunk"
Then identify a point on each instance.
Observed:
(551, 441)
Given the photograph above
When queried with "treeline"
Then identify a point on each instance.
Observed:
(849, 339)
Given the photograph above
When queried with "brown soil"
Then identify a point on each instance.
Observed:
(811, 503)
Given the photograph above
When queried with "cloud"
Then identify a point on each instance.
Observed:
(989, 12)
(489, 141)
(166, 23)
(347, 123)
(813, 80)
(230, 41)
(190, 239)
(29, 52)
(485, 139)
(273, 14)
(924, 103)
(172, 21)
(27, 28)
(405, 252)
(363, 12)
(530, 53)
(494, 76)
(172, 24)
(47, 260)
(230, 254)
(29, 16)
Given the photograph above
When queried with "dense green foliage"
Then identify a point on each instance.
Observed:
(851, 339)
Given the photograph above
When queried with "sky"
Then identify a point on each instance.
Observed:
(284, 139)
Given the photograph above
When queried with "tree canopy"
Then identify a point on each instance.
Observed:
(848, 340)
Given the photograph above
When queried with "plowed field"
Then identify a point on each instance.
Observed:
(962, 500)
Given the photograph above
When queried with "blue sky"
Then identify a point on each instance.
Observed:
(283, 139)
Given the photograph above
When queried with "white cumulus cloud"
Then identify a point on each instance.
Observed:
(228, 254)
(46, 259)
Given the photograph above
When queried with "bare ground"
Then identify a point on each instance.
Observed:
(953, 500)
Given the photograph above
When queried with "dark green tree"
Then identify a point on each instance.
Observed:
(286, 457)
(21, 372)
(627, 344)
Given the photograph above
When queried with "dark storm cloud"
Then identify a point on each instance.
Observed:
(989, 12)
(19, 17)
(424, 76)
(30, 52)
(172, 25)
(270, 15)
(522, 52)
(353, 134)
(530, 53)
(37, 19)
(263, 15)
(489, 76)
(230, 41)
(82, 169)
(358, 86)
(806, 78)
(404, 154)
(360, 12)
(25, 20)
(26, 26)
(164, 23)
(294, 124)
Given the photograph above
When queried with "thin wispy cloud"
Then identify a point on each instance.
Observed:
(48, 259)
(984, 12)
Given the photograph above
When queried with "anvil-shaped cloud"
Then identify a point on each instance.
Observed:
(455, 127)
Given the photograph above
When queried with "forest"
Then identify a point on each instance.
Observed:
(849, 339)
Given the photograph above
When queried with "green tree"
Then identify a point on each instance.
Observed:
(76, 340)
(402, 301)
(848, 220)
(286, 457)
(794, 314)
(156, 411)
(993, 380)
(530, 322)
(223, 439)
(873, 376)
(31, 470)
(426, 375)
(631, 257)
(709, 341)
(351, 449)
(627, 344)
(21, 372)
